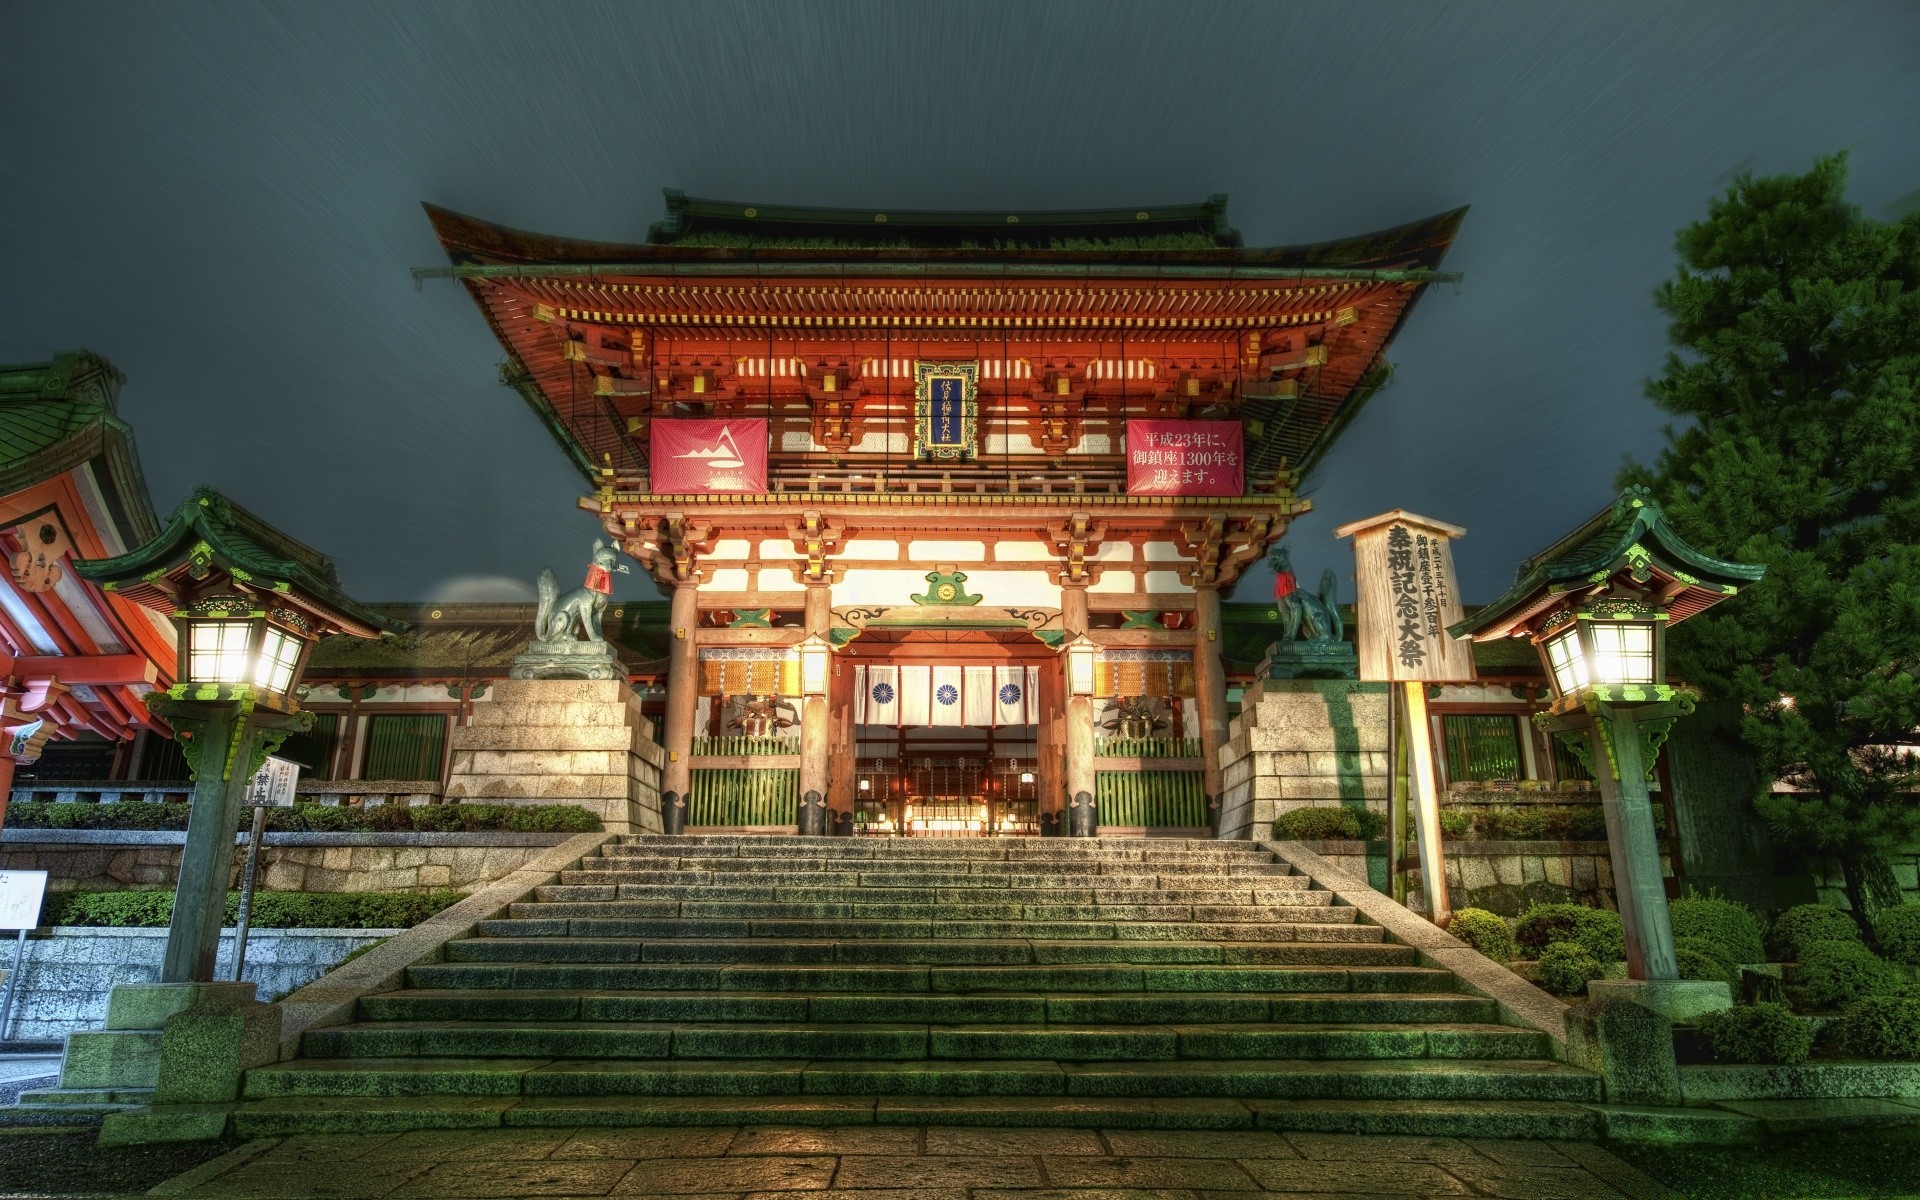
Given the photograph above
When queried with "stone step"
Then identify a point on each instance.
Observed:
(936, 868)
(1295, 1079)
(877, 929)
(1005, 952)
(81, 1102)
(1420, 1118)
(789, 845)
(1219, 914)
(1256, 888)
(901, 1042)
(1164, 1008)
(1105, 977)
(1279, 889)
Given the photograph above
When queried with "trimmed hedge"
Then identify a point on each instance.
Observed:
(318, 818)
(1598, 929)
(1331, 822)
(1704, 958)
(1532, 822)
(1883, 1027)
(1730, 926)
(1804, 924)
(1898, 932)
(1565, 968)
(271, 910)
(1757, 1033)
(1840, 972)
(1484, 931)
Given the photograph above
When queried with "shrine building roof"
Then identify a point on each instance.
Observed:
(732, 308)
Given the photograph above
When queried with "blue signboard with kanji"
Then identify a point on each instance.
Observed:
(945, 409)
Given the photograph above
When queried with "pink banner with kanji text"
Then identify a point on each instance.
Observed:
(1185, 458)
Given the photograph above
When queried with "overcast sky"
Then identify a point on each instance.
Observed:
(224, 201)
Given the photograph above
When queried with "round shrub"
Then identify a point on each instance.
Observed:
(1701, 958)
(1757, 1033)
(1836, 972)
(1883, 1027)
(1731, 926)
(1598, 929)
(1898, 932)
(1565, 968)
(1484, 931)
(1805, 924)
(1331, 822)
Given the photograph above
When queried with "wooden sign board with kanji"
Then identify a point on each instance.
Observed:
(1407, 596)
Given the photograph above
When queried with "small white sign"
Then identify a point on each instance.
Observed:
(20, 893)
(273, 785)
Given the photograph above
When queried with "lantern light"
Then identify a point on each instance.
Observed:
(816, 659)
(229, 642)
(1080, 657)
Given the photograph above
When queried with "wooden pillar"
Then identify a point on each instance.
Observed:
(1083, 818)
(815, 736)
(1209, 695)
(6, 785)
(683, 692)
(1050, 747)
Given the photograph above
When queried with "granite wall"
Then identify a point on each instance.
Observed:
(1299, 743)
(112, 860)
(69, 972)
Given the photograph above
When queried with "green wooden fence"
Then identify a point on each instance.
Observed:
(741, 744)
(745, 796)
(1155, 799)
(1148, 747)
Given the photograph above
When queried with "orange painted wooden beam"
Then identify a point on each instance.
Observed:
(92, 669)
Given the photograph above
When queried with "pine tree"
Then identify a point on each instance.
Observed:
(1797, 382)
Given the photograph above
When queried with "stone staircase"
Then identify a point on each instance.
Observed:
(1106, 982)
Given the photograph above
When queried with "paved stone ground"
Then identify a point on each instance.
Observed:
(762, 1163)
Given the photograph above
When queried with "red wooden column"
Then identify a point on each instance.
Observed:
(683, 691)
(1209, 693)
(1082, 817)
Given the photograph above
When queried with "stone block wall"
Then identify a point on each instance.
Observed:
(562, 741)
(288, 862)
(69, 972)
(1831, 887)
(1501, 876)
(1299, 743)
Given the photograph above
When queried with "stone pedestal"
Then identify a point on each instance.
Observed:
(1301, 743)
(562, 741)
(175, 1050)
(1681, 1001)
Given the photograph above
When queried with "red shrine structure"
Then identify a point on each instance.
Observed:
(951, 495)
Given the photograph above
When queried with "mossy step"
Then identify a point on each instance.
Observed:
(896, 929)
(295, 1116)
(601, 1039)
(1005, 952)
(576, 886)
(1323, 914)
(1343, 1079)
(1165, 1008)
(1030, 877)
(799, 978)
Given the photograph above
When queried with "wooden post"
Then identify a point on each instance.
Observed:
(814, 734)
(1425, 802)
(683, 691)
(1210, 695)
(1081, 816)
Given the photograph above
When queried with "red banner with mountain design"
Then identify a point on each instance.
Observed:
(1185, 458)
(694, 457)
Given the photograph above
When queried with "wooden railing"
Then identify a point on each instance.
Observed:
(353, 792)
(739, 744)
(1151, 799)
(1148, 747)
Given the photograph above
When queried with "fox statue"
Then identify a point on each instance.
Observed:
(576, 615)
(1306, 616)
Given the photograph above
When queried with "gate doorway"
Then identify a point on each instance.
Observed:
(954, 733)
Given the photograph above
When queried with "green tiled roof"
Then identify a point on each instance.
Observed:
(57, 415)
(1598, 547)
(479, 640)
(240, 543)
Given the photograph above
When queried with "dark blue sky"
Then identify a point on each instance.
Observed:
(224, 200)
